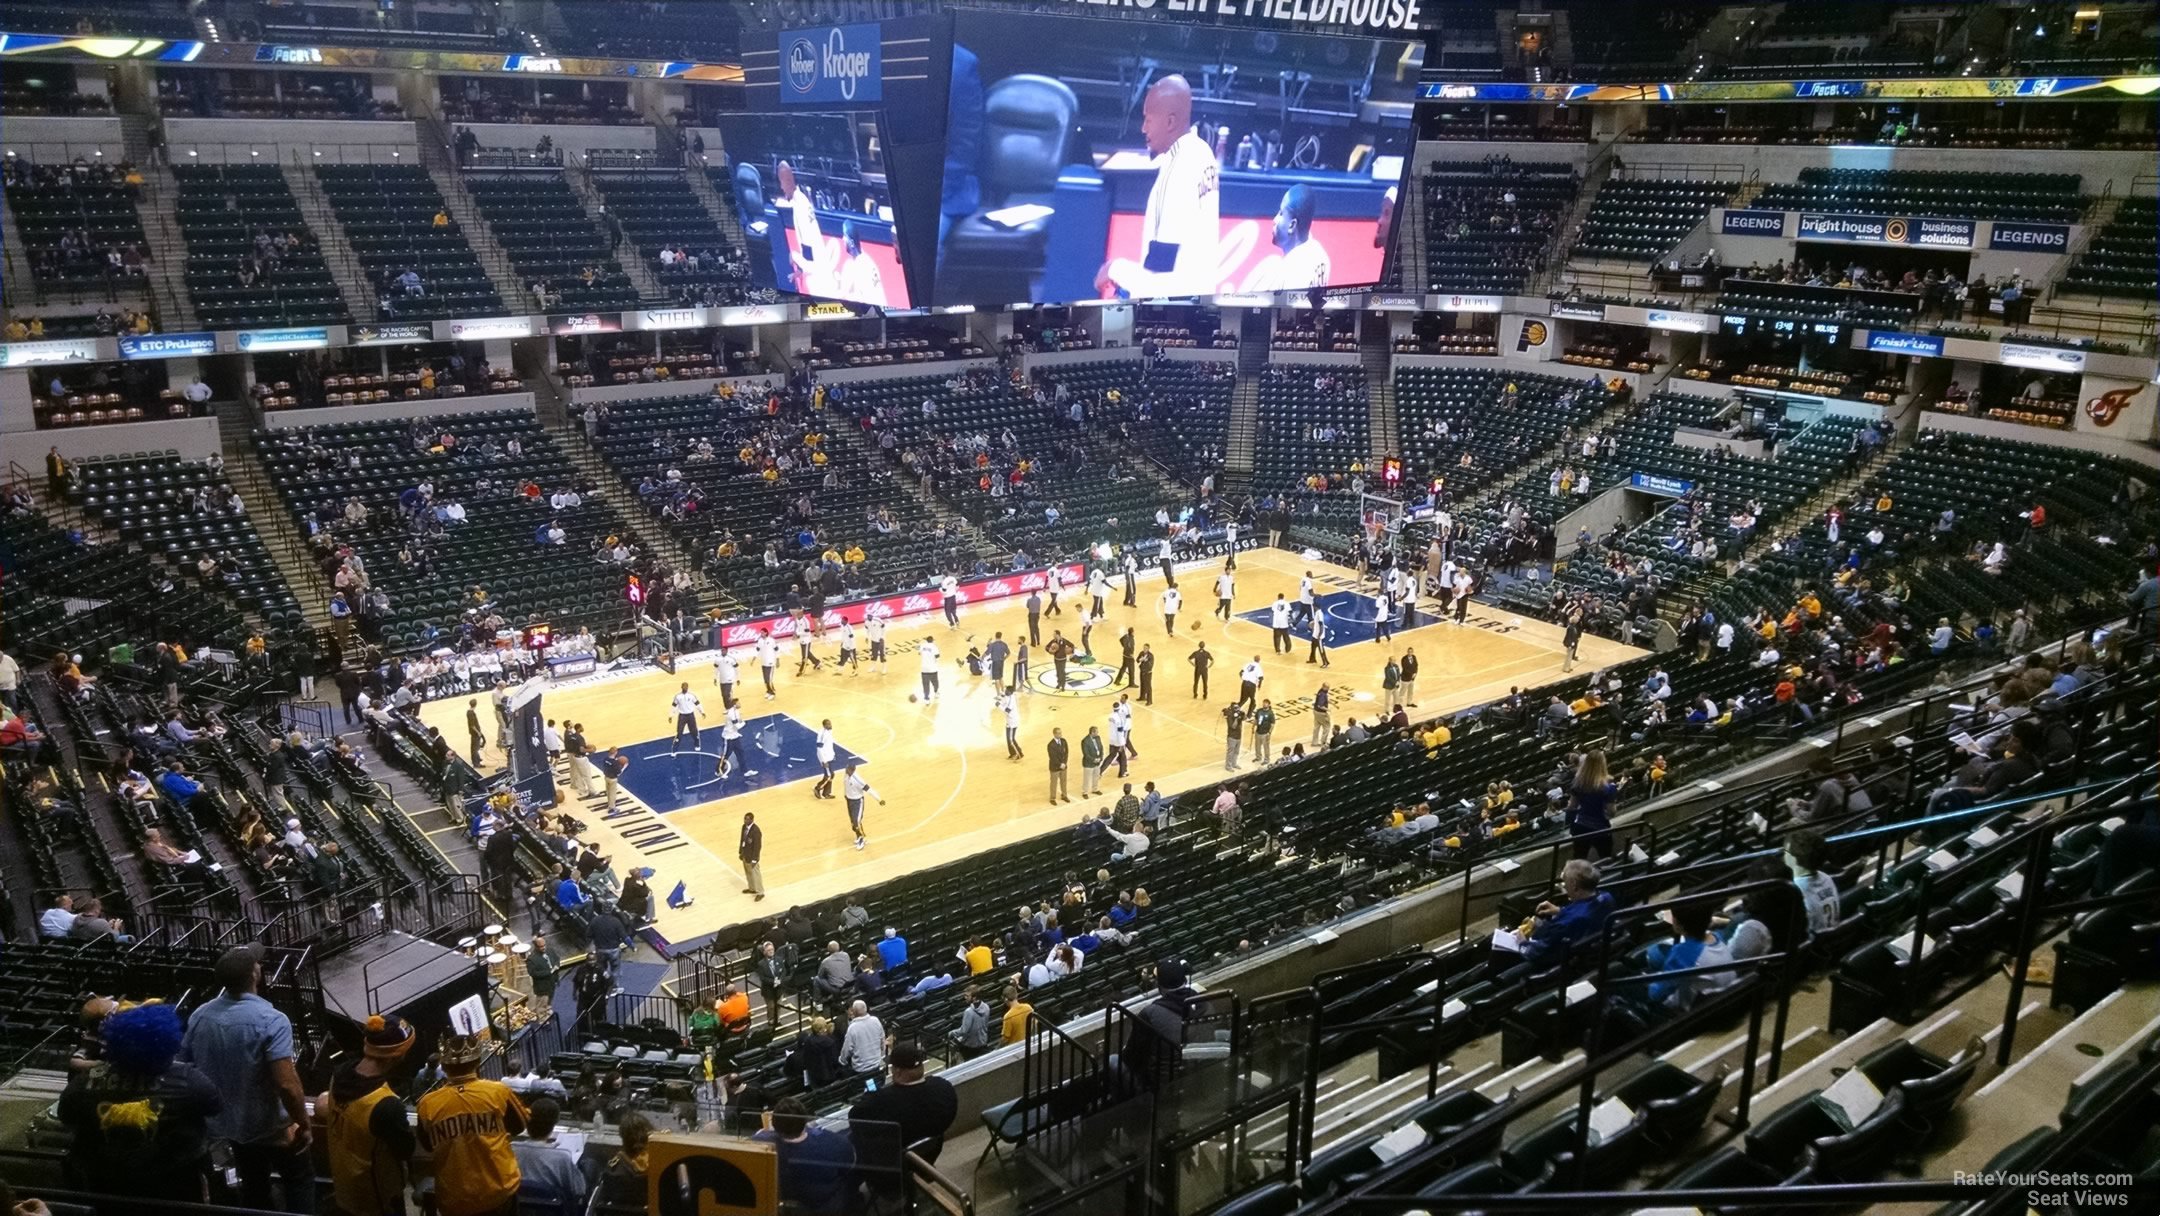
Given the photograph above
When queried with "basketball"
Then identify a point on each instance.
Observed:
(1193, 625)
(911, 698)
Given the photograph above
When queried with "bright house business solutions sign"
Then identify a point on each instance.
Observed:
(831, 63)
(1888, 230)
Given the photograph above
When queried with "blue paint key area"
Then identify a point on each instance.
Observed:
(776, 750)
(1349, 617)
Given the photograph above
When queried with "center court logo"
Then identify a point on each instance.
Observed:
(1081, 679)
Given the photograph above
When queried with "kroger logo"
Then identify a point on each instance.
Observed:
(810, 64)
(802, 65)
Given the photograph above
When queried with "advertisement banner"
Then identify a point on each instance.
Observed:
(1753, 223)
(753, 314)
(260, 340)
(486, 327)
(832, 64)
(586, 323)
(167, 346)
(384, 335)
(668, 318)
(1448, 303)
(2042, 358)
(896, 608)
(1924, 231)
(1394, 303)
(1924, 345)
(1658, 483)
(2040, 238)
(1579, 312)
(57, 350)
(1684, 322)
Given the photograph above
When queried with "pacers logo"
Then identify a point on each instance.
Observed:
(1532, 336)
(1081, 679)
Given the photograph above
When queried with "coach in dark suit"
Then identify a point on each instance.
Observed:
(748, 850)
(1059, 751)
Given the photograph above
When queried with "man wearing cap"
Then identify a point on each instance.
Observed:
(466, 1124)
(1157, 1044)
(914, 1111)
(365, 1132)
(923, 1107)
(245, 1046)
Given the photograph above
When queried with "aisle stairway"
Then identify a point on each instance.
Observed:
(435, 157)
(288, 549)
(167, 260)
(633, 262)
(337, 251)
(1253, 337)
(553, 409)
(1377, 354)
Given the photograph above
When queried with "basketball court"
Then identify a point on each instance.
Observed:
(949, 789)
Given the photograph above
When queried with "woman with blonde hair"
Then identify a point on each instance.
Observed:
(1589, 810)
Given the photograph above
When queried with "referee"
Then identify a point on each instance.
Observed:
(687, 709)
(855, 789)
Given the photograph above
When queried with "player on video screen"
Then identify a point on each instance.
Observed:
(1304, 262)
(1183, 221)
(860, 280)
(812, 276)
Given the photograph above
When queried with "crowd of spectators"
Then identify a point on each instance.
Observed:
(1940, 293)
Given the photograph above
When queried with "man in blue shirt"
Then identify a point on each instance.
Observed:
(1563, 928)
(816, 1166)
(568, 894)
(245, 1046)
(892, 950)
(177, 785)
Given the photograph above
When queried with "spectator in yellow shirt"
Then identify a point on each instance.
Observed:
(1014, 1027)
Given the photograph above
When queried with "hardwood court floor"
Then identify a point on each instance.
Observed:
(950, 791)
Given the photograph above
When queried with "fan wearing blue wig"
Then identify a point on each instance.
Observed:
(139, 1114)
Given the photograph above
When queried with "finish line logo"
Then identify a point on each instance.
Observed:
(832, 63)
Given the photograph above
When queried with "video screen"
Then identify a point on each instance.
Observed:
(812, 196)
(1093, 159)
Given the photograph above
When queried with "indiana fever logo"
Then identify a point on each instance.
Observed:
(2108, 406)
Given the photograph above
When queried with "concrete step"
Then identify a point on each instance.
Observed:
(337, 251)
(632, 262)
